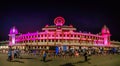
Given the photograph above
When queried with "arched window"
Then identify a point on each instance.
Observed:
(53, 35)
(45, 40)
(41, 40)
(67, 35)
(41, 35)
(78, 35)
(72, 35)
(60, 35)
(75, 35)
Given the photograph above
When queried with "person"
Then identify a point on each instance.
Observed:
(18, 53)
(10, 54)
(34, 52)
(44, 55)
(15, 53)
(76, 53)
(89, 53)
(85, 56)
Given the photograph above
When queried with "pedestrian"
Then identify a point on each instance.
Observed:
(34, 52)
(76, 53)
(85, 56)
(15, 53)
(44, 55)
(10, 54)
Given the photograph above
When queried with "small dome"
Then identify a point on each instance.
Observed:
(13, 30)
(108, 31)
(105, 30)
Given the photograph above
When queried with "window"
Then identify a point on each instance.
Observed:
(38, 40)
(25, 37)
(74, 35)
(64, 35)
(42, 40)
(67, 35)
(56, 35)
(35, 40)
(53, 35)
(45, 40)
(43, 35)
(38, 35)
(60, 35)
(78, 35)
(35, 36)
(71, 35)
(60, 40)
(56, 40)
(49, 40)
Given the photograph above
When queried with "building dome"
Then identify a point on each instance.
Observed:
(105, 30)
(59, 21)
(13, 30)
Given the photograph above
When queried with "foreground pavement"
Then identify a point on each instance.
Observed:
(27, 60)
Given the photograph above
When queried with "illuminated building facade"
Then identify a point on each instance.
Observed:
(4, 46)
(59, 35)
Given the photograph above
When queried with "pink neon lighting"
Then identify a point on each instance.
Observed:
(13, 30)
(105, 30)
(13, 40)
(106, 34)
(97, 39)
(59, 21)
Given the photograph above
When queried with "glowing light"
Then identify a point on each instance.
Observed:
(105, 34)
(13, 40)
(59, 21)
(13, 31)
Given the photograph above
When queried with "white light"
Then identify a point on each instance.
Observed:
(13, 40)
(13, 30)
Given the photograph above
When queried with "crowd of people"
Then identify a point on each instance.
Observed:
(15, 53)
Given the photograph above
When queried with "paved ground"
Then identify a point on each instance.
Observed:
(108, 60)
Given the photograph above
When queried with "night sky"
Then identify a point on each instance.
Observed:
(86, 16)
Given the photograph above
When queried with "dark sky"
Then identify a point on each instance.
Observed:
(86, 16)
